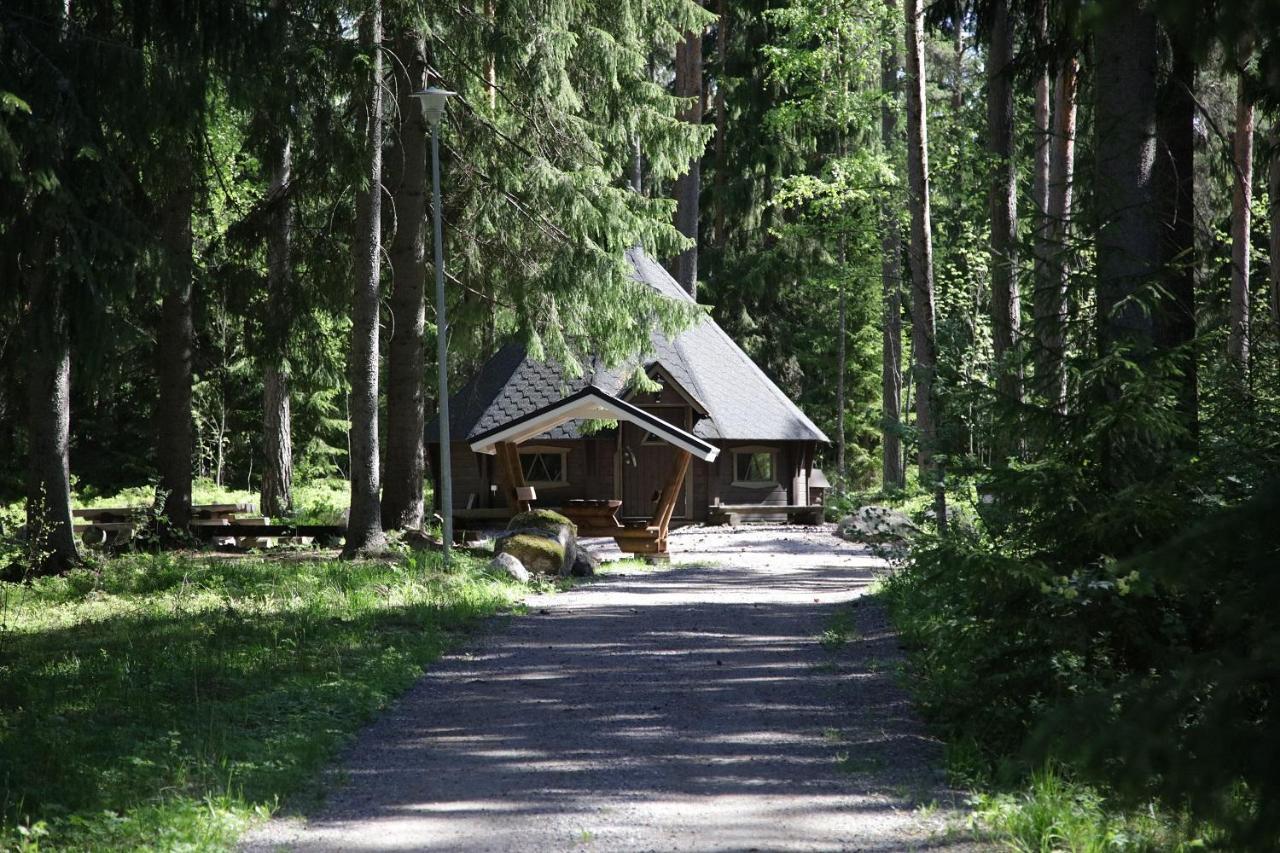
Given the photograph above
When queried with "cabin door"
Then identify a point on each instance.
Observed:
(646, 463)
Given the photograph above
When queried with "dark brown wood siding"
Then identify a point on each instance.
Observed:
(593, 466)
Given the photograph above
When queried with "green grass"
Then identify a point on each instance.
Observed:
(319, 501)
(165, 702)
(841, 629)
(1051, 813)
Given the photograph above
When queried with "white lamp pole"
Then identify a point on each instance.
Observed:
(433, 101)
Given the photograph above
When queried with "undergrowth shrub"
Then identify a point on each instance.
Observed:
(1114, 612)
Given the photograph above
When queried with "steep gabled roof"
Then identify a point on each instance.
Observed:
(741, 402)
(591, 403)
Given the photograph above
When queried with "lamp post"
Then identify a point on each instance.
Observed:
(433, 101)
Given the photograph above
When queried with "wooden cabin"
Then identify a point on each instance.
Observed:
(710, 389)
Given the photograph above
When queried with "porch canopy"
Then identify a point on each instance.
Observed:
(590, 402)
(647, 538)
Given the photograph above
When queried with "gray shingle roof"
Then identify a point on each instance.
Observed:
(742, 403)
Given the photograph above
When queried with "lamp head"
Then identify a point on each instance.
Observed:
(433, 100)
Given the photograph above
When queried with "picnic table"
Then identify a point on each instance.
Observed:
(101, 525)
(593, 517)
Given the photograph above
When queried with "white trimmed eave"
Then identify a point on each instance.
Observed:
(592, 403)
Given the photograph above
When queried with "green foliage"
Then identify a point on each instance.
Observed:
(1080, 625)
(1052, 813)
(164, 702)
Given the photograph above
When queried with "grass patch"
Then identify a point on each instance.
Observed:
(1051, 813)
(841, 629)
(167, 701)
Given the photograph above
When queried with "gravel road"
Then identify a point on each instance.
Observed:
(686, 708)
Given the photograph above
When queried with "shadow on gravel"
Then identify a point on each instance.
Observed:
(641, 714)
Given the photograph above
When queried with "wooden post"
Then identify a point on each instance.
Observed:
(667, 500)
(512, 475)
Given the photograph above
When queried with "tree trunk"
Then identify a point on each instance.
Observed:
(1042, 272)
(1052, 282)
(1128, 239)
(1241, 222)
(1274, 202)
(892, 474)
(957, 53)
(175, 341)
(923, 337)
(49, 531)
(1175, 314)
(364, 523)
(1003, 203)
(277, 422)
(688, 84)
(402, 491)
(722, 51)
(841, 361)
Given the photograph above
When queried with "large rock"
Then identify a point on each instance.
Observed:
(536, 550)
(507, 564)
(585, 564)
(544, 541)
(877, 525)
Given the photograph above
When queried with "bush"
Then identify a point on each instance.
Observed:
(1153, 675)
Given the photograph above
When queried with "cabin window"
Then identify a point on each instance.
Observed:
(755, 466)
(545, 466)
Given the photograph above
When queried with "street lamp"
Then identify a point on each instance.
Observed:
(433, 101)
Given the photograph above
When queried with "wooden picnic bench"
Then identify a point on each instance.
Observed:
(593, 517)
(100, 525)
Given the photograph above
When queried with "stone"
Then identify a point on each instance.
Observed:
(544, 541)
(584, 565)
(538, 551)
(877, 525)
(541, 519)
(510, 566)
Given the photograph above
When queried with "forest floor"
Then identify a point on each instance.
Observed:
(747, 697)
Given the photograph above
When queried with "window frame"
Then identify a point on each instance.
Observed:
(546, 450)
(753, 450)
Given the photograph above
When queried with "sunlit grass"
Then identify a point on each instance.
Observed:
(1051, 814)
(165, 701)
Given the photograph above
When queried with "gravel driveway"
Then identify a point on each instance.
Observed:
(686, 708)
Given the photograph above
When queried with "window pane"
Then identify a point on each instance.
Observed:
(754, 467)
(542, 467)
(553, 467)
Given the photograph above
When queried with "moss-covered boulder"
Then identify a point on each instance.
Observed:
(544, 541)
(538, 552)
(542, 519)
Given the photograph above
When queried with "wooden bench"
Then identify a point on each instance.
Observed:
(738, 513)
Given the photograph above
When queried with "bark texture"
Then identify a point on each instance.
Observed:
(407, 171)
(1241, 222)
(688, 84)
(923, 335)
(364, 522)
(1175, 314)
(1125, 148)
(722, 50)
(1274, 255)
(891, 467)
(1043, 145)
(49, 415)
(277, 418)
(175, 341)
(1052, 281)
(924, 346)
(1128, 239)
(1003, 204)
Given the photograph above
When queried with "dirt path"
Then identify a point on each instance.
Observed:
(690, 708)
